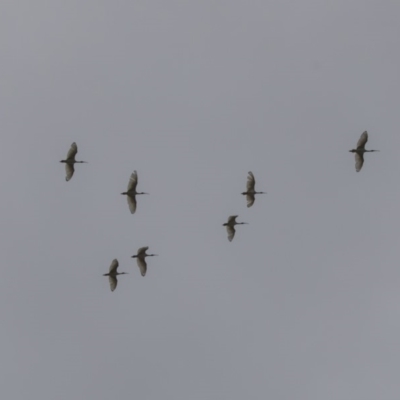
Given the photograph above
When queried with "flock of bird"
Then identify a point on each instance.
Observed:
(131, 194)
(141, 261)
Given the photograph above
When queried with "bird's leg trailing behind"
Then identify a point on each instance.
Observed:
(147, 255)
(361, 151)
(133, 194)
(73, 162)
(118, 273)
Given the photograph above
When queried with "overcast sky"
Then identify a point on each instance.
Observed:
(304, 303)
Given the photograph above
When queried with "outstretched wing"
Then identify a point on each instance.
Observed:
(250, 199)
(113, 282)
(131, 203)
(250, 182)
(359, 161)
(141, 262)
(231, 232)
(113, 266)
(142, 250)
(72, 151)
(363, 140)
(133, 180)
(232, 219)
(69, 171)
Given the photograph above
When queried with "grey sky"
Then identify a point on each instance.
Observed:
(304, 303)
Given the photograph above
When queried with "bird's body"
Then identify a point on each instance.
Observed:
(360, 150)
(141, 259)
(70, 161)
(230, 226)
(131, 192)
(112, 274)
(250, 190)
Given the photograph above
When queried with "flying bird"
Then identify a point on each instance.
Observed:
(70, 161)
(141, 262)
(112, 274)
(131, 192)
(251, 192)
(230, 226)
(360, 150)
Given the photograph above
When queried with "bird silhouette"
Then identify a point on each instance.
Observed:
(141, 259)
(230, 226)
(112, 274)
(70, 161)
(251, 192)
(131, 192)
(360, 150)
